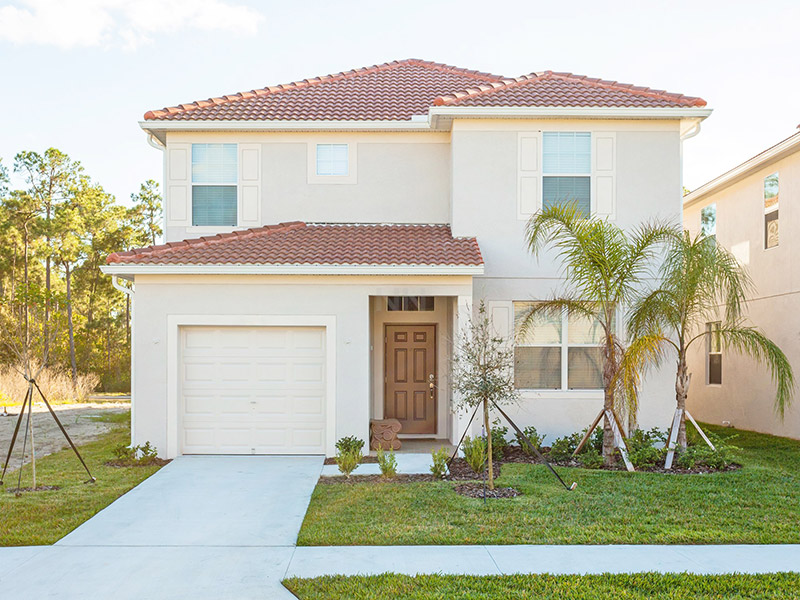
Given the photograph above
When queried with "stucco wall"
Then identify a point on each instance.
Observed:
(746, 396)
(346, 298)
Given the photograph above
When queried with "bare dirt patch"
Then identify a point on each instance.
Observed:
(477, 490)
(81, 420)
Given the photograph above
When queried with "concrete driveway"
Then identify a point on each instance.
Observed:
(202, 527)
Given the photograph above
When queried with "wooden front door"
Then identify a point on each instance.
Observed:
(410, 376)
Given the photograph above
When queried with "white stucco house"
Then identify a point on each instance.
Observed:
(750, 209)
(326, 238)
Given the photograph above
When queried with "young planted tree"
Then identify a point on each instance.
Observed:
(146, 214)
(483, 372)
(604, 269)
(702, 283)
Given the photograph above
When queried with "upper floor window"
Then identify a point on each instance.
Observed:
(333, 160)
(409, 303)
(215, 176)
(567, 169)
(771, 185)
(708, 220)
(557, 352)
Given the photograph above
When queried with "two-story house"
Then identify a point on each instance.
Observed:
(750, 209)
(326, 239)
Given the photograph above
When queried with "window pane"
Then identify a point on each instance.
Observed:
(214, 205)
(567, 152)
(583, 330)
(708, 220)
(411, 303)
(332, 159)
(545, 329)
(395, 303)
(558, 190)
(715, 369)
(585, 368)
(771, 189)
(715, 342)
(771, 229)
(214, 163)
(426, 303)
(537, 368)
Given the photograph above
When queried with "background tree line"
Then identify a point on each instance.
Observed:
(55, 233)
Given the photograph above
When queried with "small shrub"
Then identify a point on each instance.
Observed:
(590, 458)
(136, 455)
(703, 456)
(125, 452)
(563, 447)
(596, 440)
(499, 442)
(533, 436)
(387, 462)
(350, 444)
(474, 453)
(348, 460)
(439, 466)
(642, 450)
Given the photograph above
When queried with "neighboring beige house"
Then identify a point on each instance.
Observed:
(326, 239)
(751, 210)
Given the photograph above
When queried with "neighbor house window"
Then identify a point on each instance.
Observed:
(409, 303)
(557, 351)
(714, 359)
(708, 220)
(215, 175)
(771, 210)
(333, 160)
(567, 169)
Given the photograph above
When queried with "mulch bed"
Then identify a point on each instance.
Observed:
(477, 490)
(119, 463)
(354, 478)
(367, 460)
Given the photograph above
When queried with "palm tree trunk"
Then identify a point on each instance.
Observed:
(681, 392)
(488, 442)
(608, 404)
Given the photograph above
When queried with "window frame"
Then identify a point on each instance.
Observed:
(564, 345)
(314, 178)
(589, 175)
(226, 184)
(709, 352)
(774, 210)
(711, 205)
(405, 303)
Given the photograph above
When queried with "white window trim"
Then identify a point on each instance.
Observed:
(564, 345)
(215, 228)
(352, 167)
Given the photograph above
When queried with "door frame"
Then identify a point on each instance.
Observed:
(435, 371)
(174, 361)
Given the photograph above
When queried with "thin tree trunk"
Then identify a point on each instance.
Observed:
(608, 403)
(33, 447)
(488, 442)
(70, 328)
(128, 319)
(681, 392)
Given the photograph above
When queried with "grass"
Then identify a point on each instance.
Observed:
(641, 586)
(757, 504)
(43, 517)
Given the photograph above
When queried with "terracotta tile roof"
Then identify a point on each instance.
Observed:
(391, 91)
(402, 89)
(315, 244)
(549, 89)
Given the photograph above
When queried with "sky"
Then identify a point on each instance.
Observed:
(79, 74)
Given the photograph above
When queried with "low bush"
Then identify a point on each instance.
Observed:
(534, 438)
(474, 450)
(349, 454)
(700, 455)
(563, 447)
(646, 448)
(499, 441)
(350, 444)
(136, 455)
(439, 466)
(590, 458)
(387, 462)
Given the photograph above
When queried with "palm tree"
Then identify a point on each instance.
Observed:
(698, 278)
(604, 268)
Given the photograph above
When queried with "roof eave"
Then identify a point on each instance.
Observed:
(770, 155)
(128, 269)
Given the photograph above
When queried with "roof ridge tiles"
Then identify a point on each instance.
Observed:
(282, 87)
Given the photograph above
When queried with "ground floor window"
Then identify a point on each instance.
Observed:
(410, 303)
(714, 354)
(557, 352)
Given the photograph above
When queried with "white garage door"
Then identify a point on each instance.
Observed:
(253, 390)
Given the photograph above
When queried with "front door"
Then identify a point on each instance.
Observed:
(410, 376)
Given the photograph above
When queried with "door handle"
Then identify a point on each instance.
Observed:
(430, 384)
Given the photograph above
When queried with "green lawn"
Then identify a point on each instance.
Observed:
(643, 586)
(44, 517)
(758, 504)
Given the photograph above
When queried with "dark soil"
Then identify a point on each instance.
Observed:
(338, 479)
(121, 462)
(477, 490)
(38, 488)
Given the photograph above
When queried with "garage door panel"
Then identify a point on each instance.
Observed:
(253, 390)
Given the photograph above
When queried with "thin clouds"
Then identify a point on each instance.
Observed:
(125, 23)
